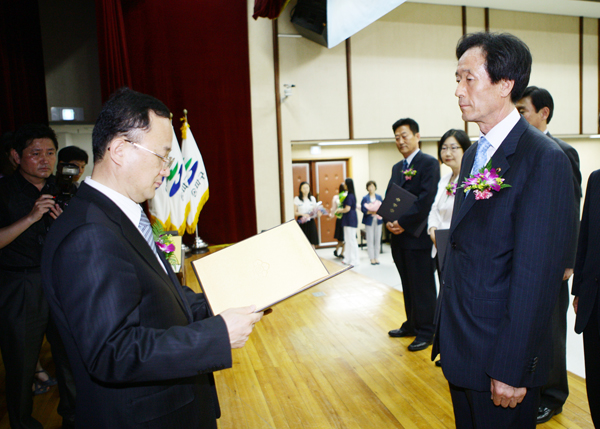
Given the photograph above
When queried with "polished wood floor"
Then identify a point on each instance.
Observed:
(323, 359)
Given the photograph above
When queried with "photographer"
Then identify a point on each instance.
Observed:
(71, 164)
(27, 209)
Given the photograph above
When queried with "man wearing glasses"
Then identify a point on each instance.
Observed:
(142, 347)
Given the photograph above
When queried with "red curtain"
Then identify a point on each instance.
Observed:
(112, 47)
(22, 85)
(193, 55)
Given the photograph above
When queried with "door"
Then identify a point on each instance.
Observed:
(329, 175)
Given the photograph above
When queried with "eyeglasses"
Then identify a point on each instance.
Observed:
(451, 148)
(167, 161)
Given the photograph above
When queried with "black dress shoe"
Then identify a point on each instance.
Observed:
(401, 332)
(417, 345)
(545, 414)
(438, 363)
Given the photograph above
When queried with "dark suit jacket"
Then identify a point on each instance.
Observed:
(587, 266)
(424, 185)
(142, 348)
(574, 160)
(501, 279)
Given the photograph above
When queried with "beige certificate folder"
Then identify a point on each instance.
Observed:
(262, 270)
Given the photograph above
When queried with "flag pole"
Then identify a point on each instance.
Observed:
(199, 245)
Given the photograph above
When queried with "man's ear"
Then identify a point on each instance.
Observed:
(116, 150)
(15, 156)
(544, 113)
(506, 87)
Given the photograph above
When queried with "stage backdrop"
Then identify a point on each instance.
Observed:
(23, 87)
(192, 55)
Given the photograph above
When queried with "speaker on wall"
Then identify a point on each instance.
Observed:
(310, 19)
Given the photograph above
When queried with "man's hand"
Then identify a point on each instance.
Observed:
(394, 228)
(44, 204)
(575, 304)
(568, 274)
(505, 395)
(240, 322)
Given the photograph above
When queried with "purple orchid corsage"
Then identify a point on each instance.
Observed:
(451, 189)
(483, 183)
(409, 173)
(164, 243)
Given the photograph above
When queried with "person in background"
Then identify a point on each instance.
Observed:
(372, 222)
(537, 107)
(72, 155)
(27, 210)
(337, 203)
(419, 174)
(350, 223)
(304, 211)
(451, 149)
(587, 294)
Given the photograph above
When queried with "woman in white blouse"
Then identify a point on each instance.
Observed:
(451, 148)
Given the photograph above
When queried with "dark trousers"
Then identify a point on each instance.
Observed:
(591, 350)
(555, 392)
(476, 410)
(416, 269)
(24, 317)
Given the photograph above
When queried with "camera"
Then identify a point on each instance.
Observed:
(65, 185)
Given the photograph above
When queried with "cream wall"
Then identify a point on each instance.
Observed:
(402, 65)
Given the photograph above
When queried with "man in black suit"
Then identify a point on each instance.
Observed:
(537, 107)
(419, 174)
(142, 347)
(502, 270)
(586, 282)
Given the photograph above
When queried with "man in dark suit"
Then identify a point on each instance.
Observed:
(501, 277)
(586, 282)
(537, 107)
(142, 347)
(419, 174)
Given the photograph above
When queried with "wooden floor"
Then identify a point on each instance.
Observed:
(323, 359)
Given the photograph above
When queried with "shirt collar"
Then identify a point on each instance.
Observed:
(412, 156)
(497, 134)
(131, 209)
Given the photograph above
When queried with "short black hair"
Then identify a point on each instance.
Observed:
(461, 137)
(411, 123)
(72, 153)
(540, 98)
(371, 182)
(30, 132)
(506, 57)
(126, 113)
(350, 186)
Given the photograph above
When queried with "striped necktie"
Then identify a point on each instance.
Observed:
(481, 155)
(146, 229)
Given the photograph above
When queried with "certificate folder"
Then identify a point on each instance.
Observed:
(398, 201)
(262, 270)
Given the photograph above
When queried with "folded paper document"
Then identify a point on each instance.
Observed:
(262, 270)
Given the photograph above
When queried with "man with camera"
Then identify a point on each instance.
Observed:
(71, 164)
(27, 209)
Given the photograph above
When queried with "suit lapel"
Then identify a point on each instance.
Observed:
(499, 162)
(131, 234)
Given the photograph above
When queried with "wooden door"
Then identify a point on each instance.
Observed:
(329, 175)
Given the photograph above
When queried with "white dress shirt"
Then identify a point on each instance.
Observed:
(497, 134)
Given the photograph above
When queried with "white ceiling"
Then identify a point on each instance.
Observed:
(589, 8)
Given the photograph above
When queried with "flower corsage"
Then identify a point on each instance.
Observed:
(409, 173)
(164, 243)
(451, 189)
(483, 183)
